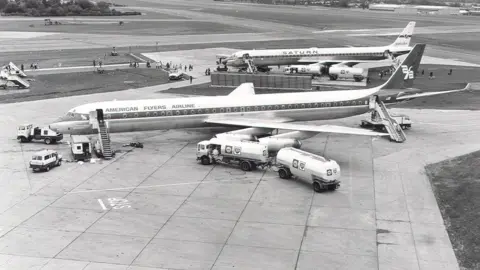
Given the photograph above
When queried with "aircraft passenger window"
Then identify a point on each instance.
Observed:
(214, 110)
(185, 112)
(296, 106)
(109, 116)
(155, 114)
(257, 108)
(290, 106)
(170, 113)
(353, 103)
(303, 106)
(177, 112)
(242, 109)
(222, 110)
(283, 107)
(327, 104)
(248, 109)
(136, 115)
(192, 111)
(147, 114)
(162, 113)
(263, 108)
(269, 107)
(229, 110)
(335, 104)
(235, 109)
(341, 103)
(276, 107)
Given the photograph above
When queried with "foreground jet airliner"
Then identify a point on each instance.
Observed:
(326, 57)
(257, 114)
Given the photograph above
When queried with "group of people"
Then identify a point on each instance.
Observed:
(207, 71)
(100, 63)
(134, 64)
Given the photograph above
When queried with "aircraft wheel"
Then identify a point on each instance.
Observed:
(245, 166)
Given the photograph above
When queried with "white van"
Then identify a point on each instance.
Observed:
(44, 160)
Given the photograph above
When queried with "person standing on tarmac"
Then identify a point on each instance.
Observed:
(191, 78)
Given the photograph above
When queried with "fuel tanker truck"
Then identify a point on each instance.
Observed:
(324, 173)
(247, 154)
(334, 72)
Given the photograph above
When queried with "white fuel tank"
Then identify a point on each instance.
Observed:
(307, 165)
(242, 149)
(314, 69)
(347, 72)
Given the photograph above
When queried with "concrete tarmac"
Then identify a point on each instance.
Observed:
(157, 207)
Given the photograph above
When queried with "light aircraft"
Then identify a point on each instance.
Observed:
(255, 115)
(325, 57)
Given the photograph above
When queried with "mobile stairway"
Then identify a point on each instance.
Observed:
(14, 70)
(8, 75)
(392, 127)
(249, 61)
(103, 145)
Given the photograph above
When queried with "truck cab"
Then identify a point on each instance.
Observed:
(27, 133)
(44, 160)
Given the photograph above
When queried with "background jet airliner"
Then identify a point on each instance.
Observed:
(256, 114)
(326, 57)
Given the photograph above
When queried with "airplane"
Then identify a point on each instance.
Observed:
(255, 115)
(326, 57)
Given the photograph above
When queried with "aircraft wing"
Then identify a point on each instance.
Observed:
(348, 63)
(427, 94)
(292, 126)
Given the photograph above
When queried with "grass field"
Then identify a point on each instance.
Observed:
(456, 185)
(83, 83)
(160, 28)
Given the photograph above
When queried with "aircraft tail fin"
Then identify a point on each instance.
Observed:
(405, 36)
(405, 73)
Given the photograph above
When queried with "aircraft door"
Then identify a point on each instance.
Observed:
(100, 115)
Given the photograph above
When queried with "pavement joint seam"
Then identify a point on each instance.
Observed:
(305, 230)
(183, 203)
(237, 221)
(375, 201)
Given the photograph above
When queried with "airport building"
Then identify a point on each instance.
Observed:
(435, 10)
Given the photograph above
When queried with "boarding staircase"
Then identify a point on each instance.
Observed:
(393, 128)
(249, 61)
(104, 139)
(12, 74)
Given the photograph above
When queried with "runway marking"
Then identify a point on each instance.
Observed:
(152, 186)
(102, 204)
(119, 203)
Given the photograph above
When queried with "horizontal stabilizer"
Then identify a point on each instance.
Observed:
(428, 94)
(291, 126)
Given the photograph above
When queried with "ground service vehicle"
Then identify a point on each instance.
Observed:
(324, 173)
(44, 160)
(247, 154)
(81, 147)
(345, 72)
(27, 133)
(374, 121)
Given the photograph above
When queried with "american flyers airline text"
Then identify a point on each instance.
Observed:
(149, 108)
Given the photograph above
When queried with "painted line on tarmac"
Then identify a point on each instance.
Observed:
(448, 125)
(152, 186)
(102, 204)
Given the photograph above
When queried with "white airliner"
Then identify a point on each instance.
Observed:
(326, 57)
(256, 114)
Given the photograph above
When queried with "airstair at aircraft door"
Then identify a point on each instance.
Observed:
(104, 138)
(249, 61)
(393, 128)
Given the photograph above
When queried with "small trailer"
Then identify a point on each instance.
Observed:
(324, 173)
(247, 154)
(27, 133)
(375, 122)
(81, 147)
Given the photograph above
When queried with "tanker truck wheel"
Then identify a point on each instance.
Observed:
(317, 187)
(284, 174)
(48, 141)
(205, 160)
(245, 166)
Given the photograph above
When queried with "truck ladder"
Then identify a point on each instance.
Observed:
(393, 128)
(104, 140)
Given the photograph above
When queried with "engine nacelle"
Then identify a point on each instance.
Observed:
(236, 137)
(314, 69)
(275, 144)
(342, 72)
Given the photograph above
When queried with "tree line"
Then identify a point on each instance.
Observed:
(38, 8)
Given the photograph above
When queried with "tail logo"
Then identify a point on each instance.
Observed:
(408, 72)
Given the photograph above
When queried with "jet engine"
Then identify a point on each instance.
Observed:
(344, 72)
(275, 144)
(236, 137)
